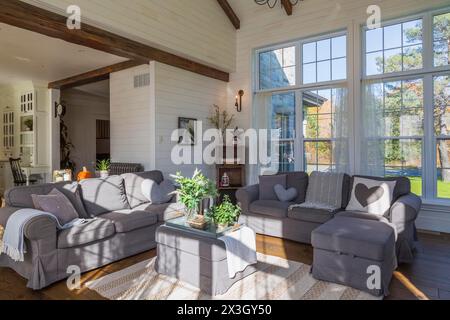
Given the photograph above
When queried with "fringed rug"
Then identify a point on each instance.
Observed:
(276, 279)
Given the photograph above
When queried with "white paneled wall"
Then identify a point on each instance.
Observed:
(180, 93)
(198, 29)
(132, 133)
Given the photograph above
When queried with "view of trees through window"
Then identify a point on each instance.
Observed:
(395, 49)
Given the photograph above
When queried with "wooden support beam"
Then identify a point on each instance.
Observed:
(287, 6)
(29, 17)
(92, 76)
(230, 13)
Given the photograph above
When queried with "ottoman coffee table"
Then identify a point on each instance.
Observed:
(195, 256)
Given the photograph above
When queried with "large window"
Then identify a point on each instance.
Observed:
(396, 111)
(294, 76)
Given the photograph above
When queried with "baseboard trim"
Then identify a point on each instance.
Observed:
(434, 218)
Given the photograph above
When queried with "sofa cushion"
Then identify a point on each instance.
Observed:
(164, 212)
(271, 208)
(311, 214)
(371, 196)
(158, 193)
(267, 184)
(88, 232)
(133, 183)
(130, 219)
(104, 195)
(402, 186)
(20, 197)
(358, 237)
(57, 204)
(299, 181)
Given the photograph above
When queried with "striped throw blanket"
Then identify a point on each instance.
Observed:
(324, 192)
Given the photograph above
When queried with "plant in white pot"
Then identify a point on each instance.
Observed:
(103, 168)
(225, 214)
(192, 192)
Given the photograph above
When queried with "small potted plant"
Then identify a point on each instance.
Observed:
(28, 124)
(192, 192)
(225, 214)
(103, 168)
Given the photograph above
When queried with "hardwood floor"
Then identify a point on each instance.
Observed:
(427, 278)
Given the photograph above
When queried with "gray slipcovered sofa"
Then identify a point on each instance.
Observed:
(272, 217)
(125, 224)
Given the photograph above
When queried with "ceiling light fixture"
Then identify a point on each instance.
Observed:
(272, 3)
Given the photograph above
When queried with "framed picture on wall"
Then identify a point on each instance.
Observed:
(188, 128)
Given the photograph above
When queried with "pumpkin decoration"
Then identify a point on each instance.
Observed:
(85, 174)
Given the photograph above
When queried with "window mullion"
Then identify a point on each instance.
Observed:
(429, 157)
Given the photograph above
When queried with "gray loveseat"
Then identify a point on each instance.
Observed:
(272, 217)
(125, 224)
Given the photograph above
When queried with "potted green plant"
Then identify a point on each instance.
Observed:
(192, 192)
(225, 214)
(103, 168)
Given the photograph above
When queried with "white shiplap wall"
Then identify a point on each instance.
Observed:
(197, 29)
(132, 133)
(180, 93)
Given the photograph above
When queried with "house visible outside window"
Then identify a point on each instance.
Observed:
(300, 87)
(406, 102)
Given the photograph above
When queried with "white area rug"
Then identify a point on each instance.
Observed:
(276, 279)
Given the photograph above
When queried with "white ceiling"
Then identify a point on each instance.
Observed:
(25, 55)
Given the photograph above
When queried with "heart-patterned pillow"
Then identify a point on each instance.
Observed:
(158, 193)
(371, 196)
(285, 195)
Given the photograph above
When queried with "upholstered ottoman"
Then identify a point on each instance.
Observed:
(197, 260)
(352, 252)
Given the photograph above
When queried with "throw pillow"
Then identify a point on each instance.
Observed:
(285, 195)
(158, 193)
(57, 204)
(371, 196)
(267, 184)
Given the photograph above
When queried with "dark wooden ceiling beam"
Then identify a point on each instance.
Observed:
(230, 13)
(29, 17)
(287, 6)
(92, 76)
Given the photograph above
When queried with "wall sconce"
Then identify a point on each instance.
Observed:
(239, 100)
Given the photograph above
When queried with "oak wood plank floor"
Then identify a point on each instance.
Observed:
(427, 278)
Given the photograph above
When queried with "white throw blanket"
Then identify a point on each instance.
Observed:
(241, 250)
(13, 243)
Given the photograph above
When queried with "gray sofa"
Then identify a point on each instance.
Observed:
(125, 224)
(272, 217)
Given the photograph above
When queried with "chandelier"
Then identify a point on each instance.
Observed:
(272, 3)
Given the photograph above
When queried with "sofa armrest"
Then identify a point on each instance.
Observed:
(245, 196)
(36, 229)
(405, 209)
(40, 228)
